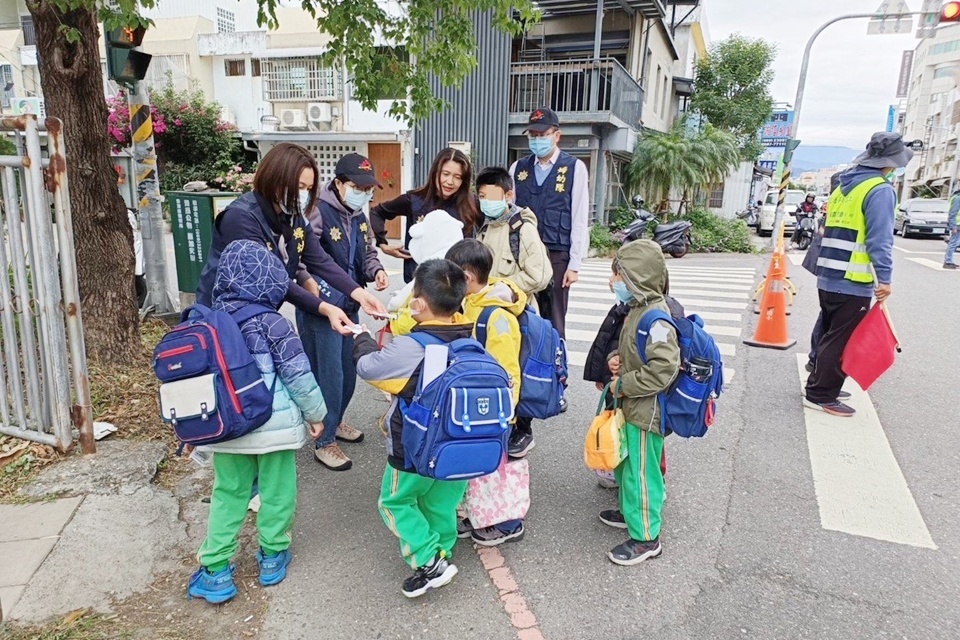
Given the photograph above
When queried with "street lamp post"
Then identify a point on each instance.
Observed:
(792, 142)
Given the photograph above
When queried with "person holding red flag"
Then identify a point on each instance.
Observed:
(855, 261)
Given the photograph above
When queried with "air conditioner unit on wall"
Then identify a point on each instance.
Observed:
(293, 119)
(318, 112)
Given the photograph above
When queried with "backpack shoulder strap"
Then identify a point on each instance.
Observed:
(423, 338)
(515, 222)
(249, 311)
(482, 322)
(647, 320)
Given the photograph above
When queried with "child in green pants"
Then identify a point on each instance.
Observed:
(639, 280)
(249, 274)
(420, 511)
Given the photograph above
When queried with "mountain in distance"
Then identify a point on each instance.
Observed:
(812, 158)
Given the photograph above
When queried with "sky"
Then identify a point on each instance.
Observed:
(852, 78)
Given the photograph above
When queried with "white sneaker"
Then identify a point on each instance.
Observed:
(607, 480)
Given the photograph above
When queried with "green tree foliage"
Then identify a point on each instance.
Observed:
(732, 89)
(681, 160)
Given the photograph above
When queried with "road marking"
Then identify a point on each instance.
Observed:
(514, 603)
(796, 258)
(582, 335)
(678, 293)
(579, 359)
(920, 253)
(930, 264)
(859, 485)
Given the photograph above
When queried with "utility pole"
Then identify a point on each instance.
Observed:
(793, 142)
(148, 191)
(127, 65)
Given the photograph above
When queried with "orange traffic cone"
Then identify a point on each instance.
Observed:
(771, 330)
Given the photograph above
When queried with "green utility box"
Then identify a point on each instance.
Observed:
(191, 220)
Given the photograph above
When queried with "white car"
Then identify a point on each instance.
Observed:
(769, 211)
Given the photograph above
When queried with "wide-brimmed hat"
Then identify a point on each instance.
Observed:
(885, 150)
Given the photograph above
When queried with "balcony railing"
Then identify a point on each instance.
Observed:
(577, 88)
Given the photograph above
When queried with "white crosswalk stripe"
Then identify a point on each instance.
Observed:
(719, 295)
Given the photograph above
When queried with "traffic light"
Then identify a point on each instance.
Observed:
(125, 64)
(950, 12)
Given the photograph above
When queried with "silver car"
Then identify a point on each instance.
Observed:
(922, 216)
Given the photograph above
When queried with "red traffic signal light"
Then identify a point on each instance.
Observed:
(950, 12)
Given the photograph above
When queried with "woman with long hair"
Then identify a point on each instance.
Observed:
(447, 188)
(273, 214)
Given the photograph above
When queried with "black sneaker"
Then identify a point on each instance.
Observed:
(613, 518)
(491, 536)
(950, 267)
(520, 444)
(634, 552)
(464, 528)
(432, 576)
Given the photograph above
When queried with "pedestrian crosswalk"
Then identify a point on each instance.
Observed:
(719, 295)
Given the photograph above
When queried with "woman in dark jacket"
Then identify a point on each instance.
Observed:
(284, 188)
(447, 188)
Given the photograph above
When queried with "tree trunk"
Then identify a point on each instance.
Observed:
(73, 91)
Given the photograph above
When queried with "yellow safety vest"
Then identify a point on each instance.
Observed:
(844, 251)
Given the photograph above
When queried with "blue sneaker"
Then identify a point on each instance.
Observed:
(215, 588)
(273, 569)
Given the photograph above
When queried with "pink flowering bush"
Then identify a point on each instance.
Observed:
(236, 180)
(192, 142)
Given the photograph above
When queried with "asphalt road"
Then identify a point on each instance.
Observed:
(746, 554)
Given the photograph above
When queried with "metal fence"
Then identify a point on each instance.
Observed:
(43, 366)
(576, 86)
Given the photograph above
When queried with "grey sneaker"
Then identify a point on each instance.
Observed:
(634, 552)
(613, 518)
(464, 528)
(950, 266)
(835, 408)
(520, 444)
(431, 576)
(332, 457)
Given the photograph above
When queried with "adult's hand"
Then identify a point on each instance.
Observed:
(368, 301)
(882, 292)
(569, 278)
(395, 251)
(339, 320)
(614, 365)
(311, 285)
(381, 281)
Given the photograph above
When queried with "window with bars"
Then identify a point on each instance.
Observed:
(254, 68)
(226, 21)
(715, 199)
(235, 67)
(327, 156)
(29, 33)
(173, 69)
(299, 80)
(6, 79)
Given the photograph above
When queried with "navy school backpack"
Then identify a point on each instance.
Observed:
(543, 363)
(456, 427)
(211, 388)
(688, 407)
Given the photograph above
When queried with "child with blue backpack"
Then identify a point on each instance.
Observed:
(640, 281)
(421, 511)
(248, 275)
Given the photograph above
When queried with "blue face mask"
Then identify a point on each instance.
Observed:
(493, 209)
(540, 146)
(620, 290)
(356, 199)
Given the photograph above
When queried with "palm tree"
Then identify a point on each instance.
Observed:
(680, 160)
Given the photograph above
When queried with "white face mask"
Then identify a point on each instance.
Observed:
(415, 312)
(304, 200)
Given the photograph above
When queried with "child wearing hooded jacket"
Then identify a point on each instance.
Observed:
(641, 279)
(502, 342)
(249, 274)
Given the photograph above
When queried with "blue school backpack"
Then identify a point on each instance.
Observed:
(456, 427)
(211, 388)
(688, 407)
(543, 363)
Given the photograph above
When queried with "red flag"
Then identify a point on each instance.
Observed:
(870, 350)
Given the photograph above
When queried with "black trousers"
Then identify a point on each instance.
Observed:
(554, 299)
(840, 315)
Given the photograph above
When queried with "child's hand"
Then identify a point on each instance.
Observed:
(614, 365)
(316, 430)
(381, 282)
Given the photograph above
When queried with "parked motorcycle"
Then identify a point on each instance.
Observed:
(673, 237)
